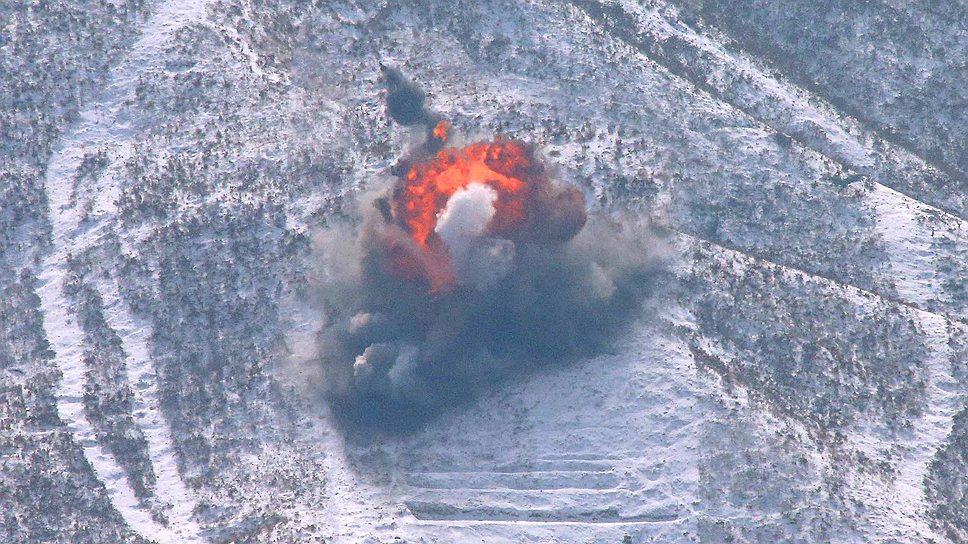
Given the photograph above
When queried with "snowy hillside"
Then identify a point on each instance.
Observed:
(798, 372)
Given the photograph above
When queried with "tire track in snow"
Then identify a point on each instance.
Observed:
(901, 505)
(135, 336)
(100, 127)
(860, 291)
(66, 337)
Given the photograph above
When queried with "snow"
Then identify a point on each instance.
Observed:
(103, 126)
(65, 338)
(147, 413)
(591, 450)
(908, 242)
(783, 106)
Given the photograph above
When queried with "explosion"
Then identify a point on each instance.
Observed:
(472, 267)
(521, 199)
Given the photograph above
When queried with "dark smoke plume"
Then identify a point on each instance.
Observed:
(406, 102)
(425, 307)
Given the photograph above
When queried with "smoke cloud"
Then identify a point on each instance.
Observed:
(405, 103)
(478, 260)
(472, 268)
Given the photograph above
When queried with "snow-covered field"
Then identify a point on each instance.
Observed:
(798, 374)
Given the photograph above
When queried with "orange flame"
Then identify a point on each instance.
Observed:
(506, 166)
(440, 131)
(428, 186)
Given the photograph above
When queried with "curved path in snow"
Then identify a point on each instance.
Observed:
(100, 127)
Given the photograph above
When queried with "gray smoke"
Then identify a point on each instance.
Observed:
(394, 356)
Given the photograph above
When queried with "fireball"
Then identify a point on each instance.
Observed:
(523, 206)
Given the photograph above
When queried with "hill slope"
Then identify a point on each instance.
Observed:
(798, 375)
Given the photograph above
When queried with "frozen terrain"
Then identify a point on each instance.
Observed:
(798, 375)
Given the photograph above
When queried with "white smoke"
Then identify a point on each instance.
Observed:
(479, 261)
(466, 215)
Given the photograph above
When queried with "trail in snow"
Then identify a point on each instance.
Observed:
(66, 339)
(908, 244)
(100, 127)
(737, 80)
(899, 505)
(147, 413)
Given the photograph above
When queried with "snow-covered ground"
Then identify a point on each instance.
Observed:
(104, 125)
(797, 375)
